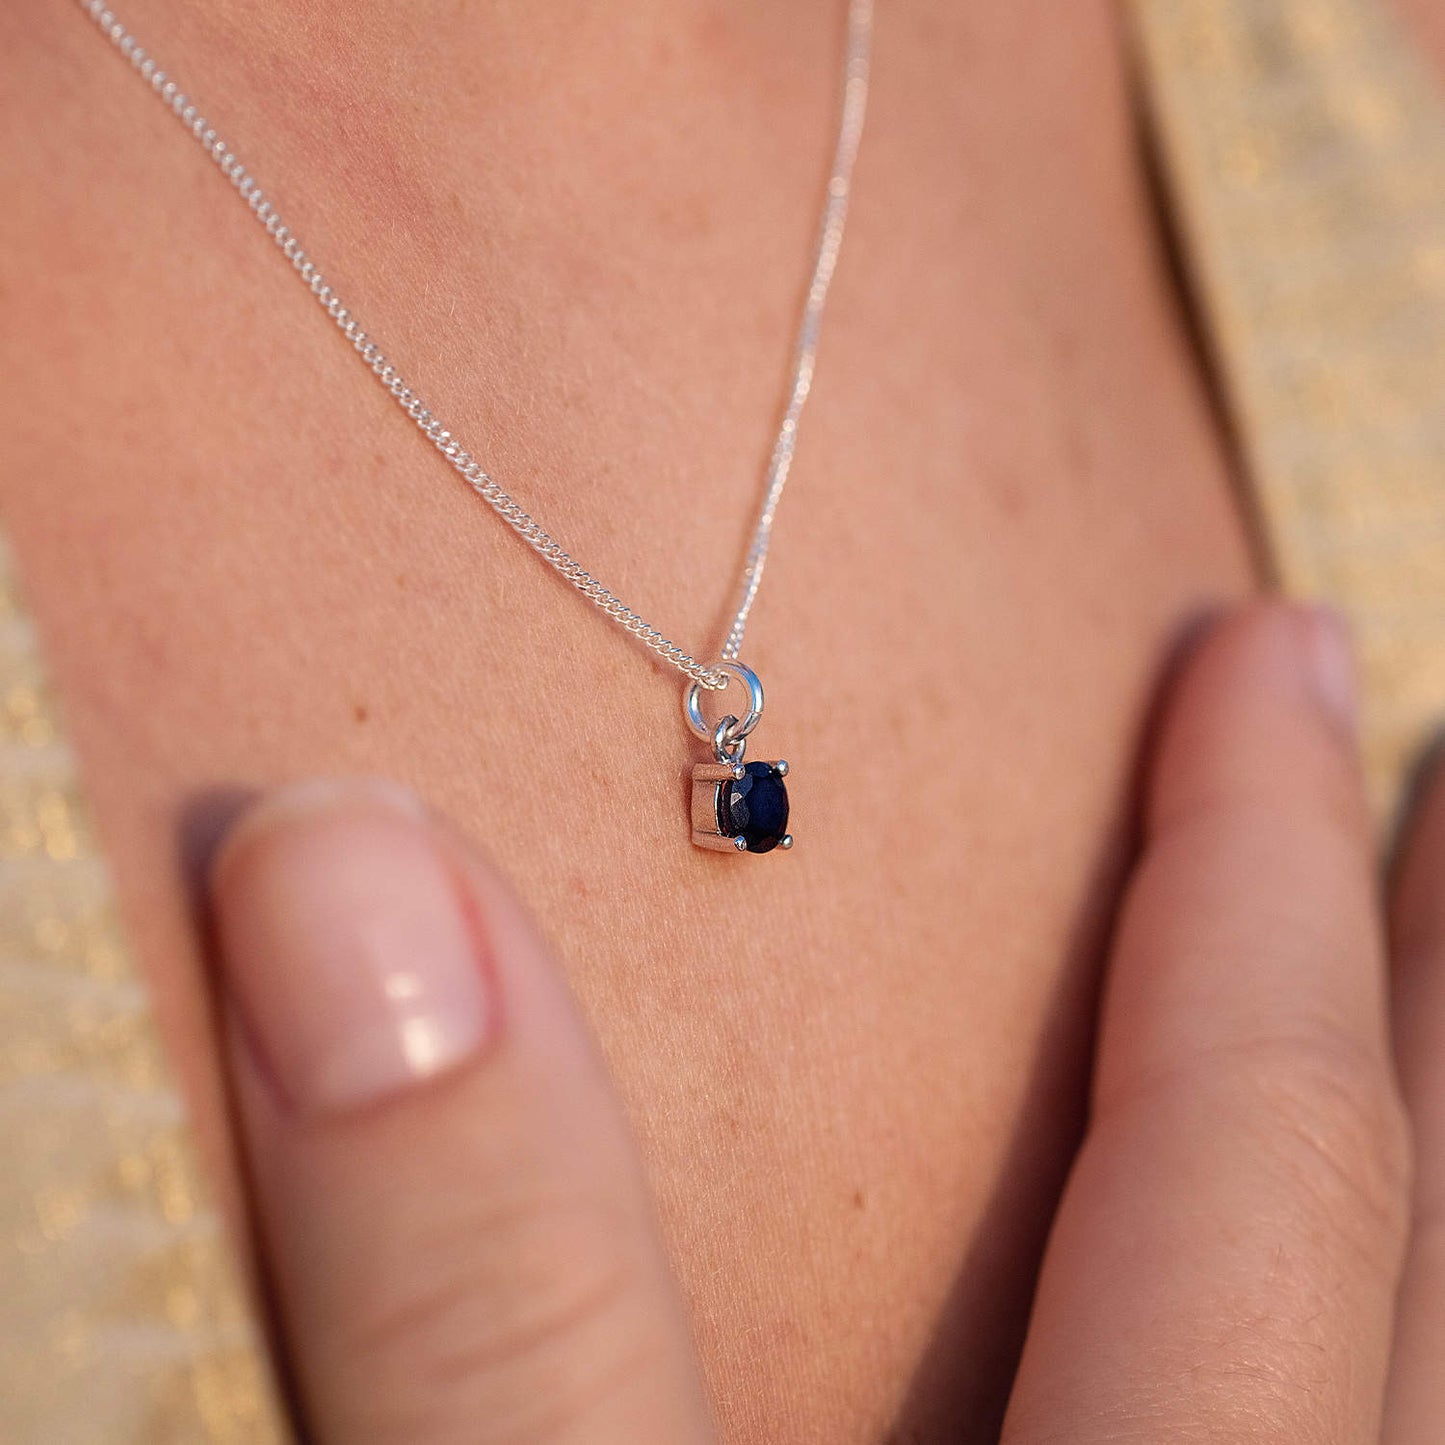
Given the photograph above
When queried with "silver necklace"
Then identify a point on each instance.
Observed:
(736, 806)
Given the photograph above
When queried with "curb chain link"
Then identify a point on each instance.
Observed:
(456, 456)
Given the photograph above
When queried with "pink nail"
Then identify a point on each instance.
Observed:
(1333, 675)
(347, 946)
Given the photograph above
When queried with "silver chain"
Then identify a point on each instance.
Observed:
(850, 130)
(830, 243)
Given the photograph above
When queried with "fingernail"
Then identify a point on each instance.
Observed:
(347, 949)
(1330, 652)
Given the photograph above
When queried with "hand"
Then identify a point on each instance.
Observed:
(458, 1232)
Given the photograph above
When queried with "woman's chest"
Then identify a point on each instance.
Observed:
(851, 1062)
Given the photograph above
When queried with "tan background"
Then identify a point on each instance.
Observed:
(120, 1313)
(1304, 147)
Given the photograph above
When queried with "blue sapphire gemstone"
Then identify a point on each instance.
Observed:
(754, 808)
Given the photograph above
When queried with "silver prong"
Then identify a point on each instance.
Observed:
(787, 841)
(741, 844)
(781, 767)
(740, 772)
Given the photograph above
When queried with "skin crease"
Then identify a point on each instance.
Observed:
(856, 1071)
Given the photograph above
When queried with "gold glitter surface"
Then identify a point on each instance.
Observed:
(121, 1316)
(1303, 146)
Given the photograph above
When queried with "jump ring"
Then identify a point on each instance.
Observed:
(692, 702)
(728, 747)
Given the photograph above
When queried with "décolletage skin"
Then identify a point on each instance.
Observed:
(856, 1068)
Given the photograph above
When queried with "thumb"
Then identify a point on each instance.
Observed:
(457, 1230)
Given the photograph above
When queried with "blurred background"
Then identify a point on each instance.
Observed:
(1298, 145)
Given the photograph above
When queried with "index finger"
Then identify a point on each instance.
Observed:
(1224, 1261)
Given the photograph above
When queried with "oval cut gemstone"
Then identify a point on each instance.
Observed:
(754, 807)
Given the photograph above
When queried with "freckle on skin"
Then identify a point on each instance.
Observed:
(858, 1201)
(360, 712)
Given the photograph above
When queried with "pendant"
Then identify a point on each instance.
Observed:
(737, 806)
(740, 807)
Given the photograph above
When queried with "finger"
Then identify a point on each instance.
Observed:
(456, 1225)
(1415, 1403)
(1224, 1260)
